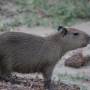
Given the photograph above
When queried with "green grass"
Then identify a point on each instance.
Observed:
(62, 12)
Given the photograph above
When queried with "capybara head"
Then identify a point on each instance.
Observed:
(73, 38)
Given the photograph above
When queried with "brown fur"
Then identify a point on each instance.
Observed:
(26, 53)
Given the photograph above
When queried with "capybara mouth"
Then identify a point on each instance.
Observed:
(88, 39)
(86, 42)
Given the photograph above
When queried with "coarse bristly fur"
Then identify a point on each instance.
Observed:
(26, 53)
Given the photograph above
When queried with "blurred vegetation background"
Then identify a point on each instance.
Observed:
(31, 13)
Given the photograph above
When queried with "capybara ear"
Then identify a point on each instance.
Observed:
(62, 30)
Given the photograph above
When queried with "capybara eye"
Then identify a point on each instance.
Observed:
(75, 34)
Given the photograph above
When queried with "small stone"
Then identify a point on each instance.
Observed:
(75, 61)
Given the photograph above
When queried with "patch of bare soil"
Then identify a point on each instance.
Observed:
(34, 84)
